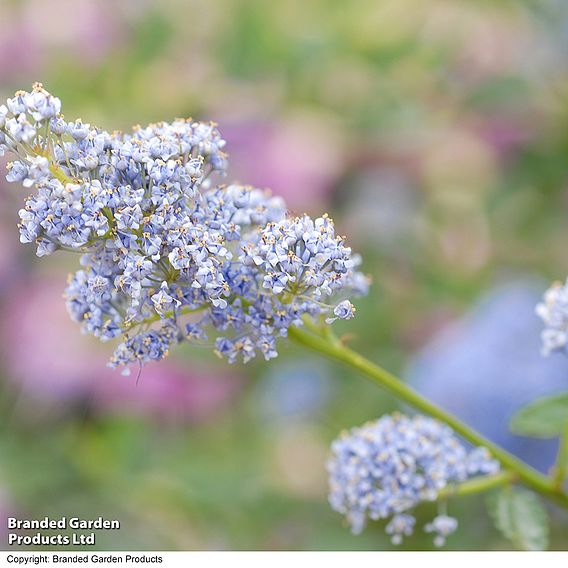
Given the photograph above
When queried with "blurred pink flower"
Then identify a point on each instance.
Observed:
(43, 349)
(505, 135)
(45, 354)
(89, 28)
(299, 158)
(169, 391)
(20, 50)
(10, 265)
(32, 30)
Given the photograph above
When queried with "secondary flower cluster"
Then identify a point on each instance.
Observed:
(554, 312)
(167, 255)
(385, 468)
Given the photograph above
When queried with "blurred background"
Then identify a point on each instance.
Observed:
(434, 132)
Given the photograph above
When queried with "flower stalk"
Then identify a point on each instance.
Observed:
(324, 343)
(479, 484)
(561, 465)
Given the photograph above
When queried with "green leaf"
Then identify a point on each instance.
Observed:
(545, 418)
(521, 517)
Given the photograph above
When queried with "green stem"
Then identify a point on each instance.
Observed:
(561, 465)
(334, 349)
(479, 484)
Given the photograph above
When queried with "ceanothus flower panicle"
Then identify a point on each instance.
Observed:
(166, 255)
(385, 468)
(553, 311)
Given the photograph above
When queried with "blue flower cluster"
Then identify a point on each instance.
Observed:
(166, 255)
(385, 468)
(553, 310)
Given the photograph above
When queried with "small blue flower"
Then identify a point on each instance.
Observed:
(399, 526)
(194, 332)
(344, 310)
(17, 171)
(163, 302)
(443, 526)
